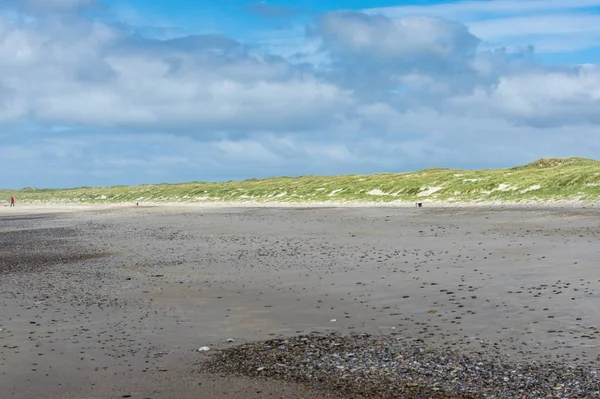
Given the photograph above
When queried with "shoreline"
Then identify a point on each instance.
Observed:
(75, 206)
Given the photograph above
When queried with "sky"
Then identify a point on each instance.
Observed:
(107, 92)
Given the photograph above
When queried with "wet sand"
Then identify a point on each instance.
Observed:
(103, 303)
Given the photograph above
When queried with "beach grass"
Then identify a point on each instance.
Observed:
(545, 180)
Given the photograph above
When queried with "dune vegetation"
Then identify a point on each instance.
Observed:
(546, 180)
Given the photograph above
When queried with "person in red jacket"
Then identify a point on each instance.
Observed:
(12, 201)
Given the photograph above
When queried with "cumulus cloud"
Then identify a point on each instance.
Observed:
(541, 98)
(93, 74)
(374, 54)
(382, 38)
(379, 94)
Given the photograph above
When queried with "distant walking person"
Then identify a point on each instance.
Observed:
(12, 201)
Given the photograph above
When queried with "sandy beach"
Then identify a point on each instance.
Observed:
(112, 302)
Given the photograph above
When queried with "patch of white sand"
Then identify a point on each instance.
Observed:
(532, 188)
(505, 187)
(427, 191)
(376, 191)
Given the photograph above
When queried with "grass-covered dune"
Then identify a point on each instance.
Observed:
(546, 180)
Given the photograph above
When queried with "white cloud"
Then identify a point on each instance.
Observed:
(378, 37)
(90, 74)
(386, 94)
(537, 25)
(549, 25)
(470, 9)
(548, 33)
(541, 98)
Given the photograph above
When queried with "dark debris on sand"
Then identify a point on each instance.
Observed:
(30, 250)
(386, 367)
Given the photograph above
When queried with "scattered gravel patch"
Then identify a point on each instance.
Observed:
(386, 367)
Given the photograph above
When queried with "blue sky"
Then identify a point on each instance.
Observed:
(106, 92)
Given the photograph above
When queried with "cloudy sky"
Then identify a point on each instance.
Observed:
(107, 92)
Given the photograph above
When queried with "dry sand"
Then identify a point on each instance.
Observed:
(105, 302)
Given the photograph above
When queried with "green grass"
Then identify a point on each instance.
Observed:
(545, 180)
